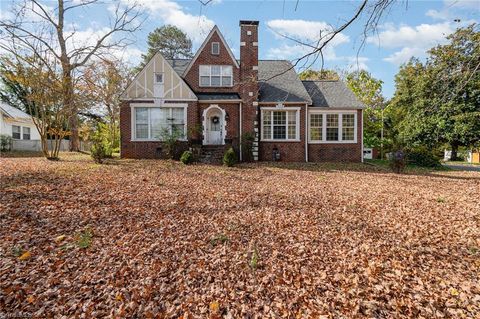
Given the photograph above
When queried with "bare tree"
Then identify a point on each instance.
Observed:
(42, 32)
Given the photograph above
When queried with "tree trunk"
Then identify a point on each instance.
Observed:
(454, 156)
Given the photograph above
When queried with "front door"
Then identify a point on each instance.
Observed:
(214, 129)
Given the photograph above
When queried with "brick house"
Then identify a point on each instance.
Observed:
(214, 100)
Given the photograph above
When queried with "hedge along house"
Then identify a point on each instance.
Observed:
(216, 101)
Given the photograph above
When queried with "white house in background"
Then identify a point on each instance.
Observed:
(17, 124)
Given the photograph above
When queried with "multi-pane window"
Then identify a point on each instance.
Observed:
(216, 75)
(16, 133)
(279, 125)
(316, 124)
(155, 122)
(26, 133)
(215, 48)
(348, 127)
(332, 127)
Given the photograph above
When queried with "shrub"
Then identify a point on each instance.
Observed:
(98, 152)
(397, 162)
(423, 157)
(170, 140)
(5, 143)
(230, 158)
(187, 157)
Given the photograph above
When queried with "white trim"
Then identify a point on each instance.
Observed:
(214, 29)
(255, 44)
(125, 97)
(204, 123)
(255, 68)
(152, 105)
(340, 124)
(211, 48)
(242, 44)
(362, 137)
(283, 109)
(249, 32)
(306, 133)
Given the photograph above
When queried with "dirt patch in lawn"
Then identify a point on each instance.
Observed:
(146, 238)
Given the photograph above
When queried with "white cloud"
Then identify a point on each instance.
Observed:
(302, 30)
(404, 55)
(424, 35)
(195, 26)
(411, 40)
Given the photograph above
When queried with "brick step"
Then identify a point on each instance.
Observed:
(212, 154)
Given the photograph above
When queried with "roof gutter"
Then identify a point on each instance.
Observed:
(220, 101)
(306, 133)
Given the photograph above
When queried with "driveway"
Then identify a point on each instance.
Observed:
(473, 168)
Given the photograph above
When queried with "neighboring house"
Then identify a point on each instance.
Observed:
(227, 98)
(17, 124)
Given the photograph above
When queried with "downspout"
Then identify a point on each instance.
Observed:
(306, 133)
(361, 153)
(240, 125)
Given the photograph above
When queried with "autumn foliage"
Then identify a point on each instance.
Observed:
(147, 239)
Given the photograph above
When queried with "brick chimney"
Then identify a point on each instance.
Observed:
(249, 80)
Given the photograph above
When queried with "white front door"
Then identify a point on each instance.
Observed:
(214, 129)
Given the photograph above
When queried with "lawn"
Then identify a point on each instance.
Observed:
(144, 238)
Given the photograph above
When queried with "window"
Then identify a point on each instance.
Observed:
(158, 78)
(279, 125)
(316, 124)
(215, 48)
(348, 127)
(332, 127)
(152, 122)
(26, 133)
(16, 132)
(216, 75)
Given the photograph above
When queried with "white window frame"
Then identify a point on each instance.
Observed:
(282, 109)
(29, 133)
(133, 131)
(210, 76)
(340, 126)
(20, 132)
(218, 46)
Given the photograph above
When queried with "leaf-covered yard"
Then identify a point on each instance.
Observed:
(160, 239)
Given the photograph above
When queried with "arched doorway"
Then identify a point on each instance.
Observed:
(214, 126)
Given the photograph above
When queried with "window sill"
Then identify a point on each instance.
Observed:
(332, 142)
(280, 141)
(153, 140)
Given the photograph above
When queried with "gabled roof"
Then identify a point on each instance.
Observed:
(179, 65)
(332, 94)
(13, 112)
(215, 29)
(278, 82)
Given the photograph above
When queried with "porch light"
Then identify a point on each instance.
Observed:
(227, 117)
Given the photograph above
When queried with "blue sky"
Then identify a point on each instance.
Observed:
(410, 28)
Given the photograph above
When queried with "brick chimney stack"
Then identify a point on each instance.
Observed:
(249, 81)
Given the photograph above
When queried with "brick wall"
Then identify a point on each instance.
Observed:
(207, 58)
(148, 149)
(340, 151)
(289, 151)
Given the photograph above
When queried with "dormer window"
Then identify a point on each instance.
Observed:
(158, 78)
(215, 48)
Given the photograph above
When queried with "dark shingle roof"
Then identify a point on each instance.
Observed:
(217, 96)
(179, 65)
(334, 94)
(279, 82)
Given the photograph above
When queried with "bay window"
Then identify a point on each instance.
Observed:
(216, 75)
(280, 125)
(332, 127)
(151, 123)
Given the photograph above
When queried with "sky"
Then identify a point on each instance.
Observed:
(408, 29)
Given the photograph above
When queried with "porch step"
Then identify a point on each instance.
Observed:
(212, 154)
